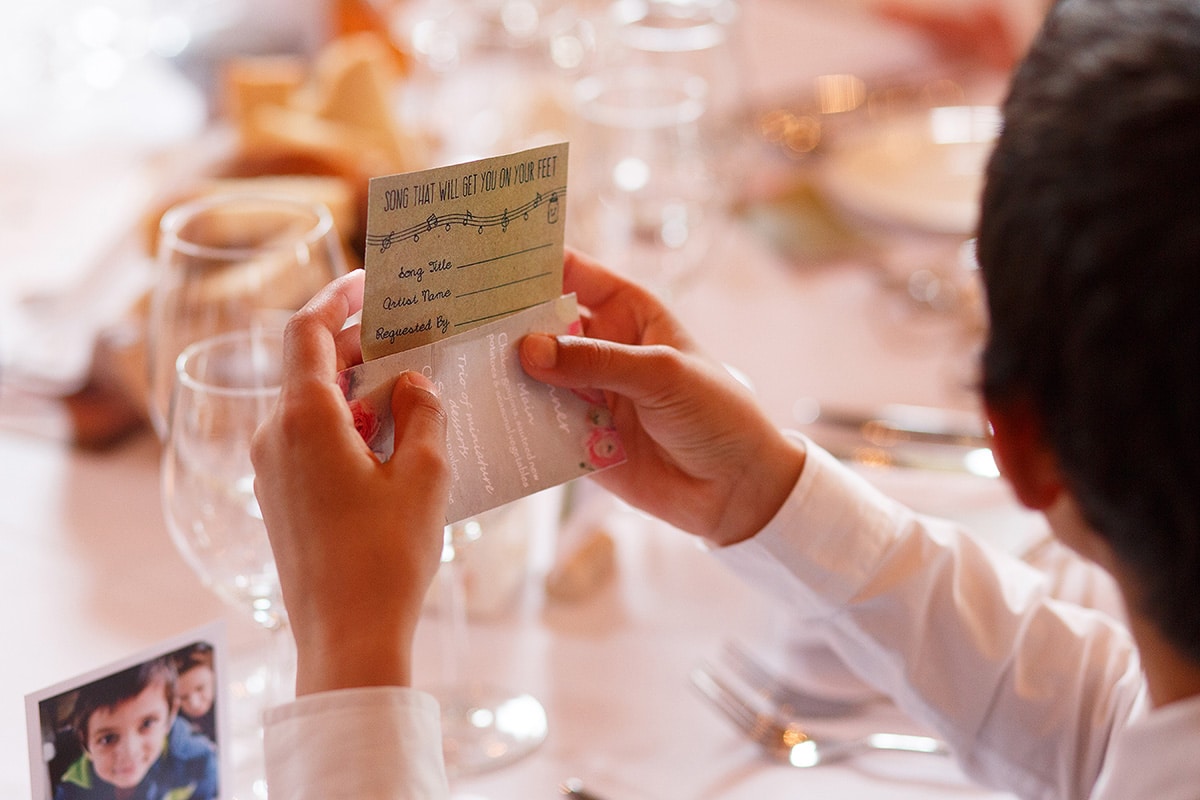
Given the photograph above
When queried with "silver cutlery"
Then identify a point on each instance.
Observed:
(916, 437)
(898, 423)
(790, 700)
(573, 788)
(894, 423)
(906, 455)
(786, 742)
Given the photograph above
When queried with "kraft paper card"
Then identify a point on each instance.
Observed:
(463, 261)
(508, 435)
(452, 248)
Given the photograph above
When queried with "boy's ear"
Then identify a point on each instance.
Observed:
(1022, 454)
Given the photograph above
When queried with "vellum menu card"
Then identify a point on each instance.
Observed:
(462, 262)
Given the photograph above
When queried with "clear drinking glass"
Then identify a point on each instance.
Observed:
(642, 162)
(232, 262)
(698, 36)
(224, 388)
(484, 726)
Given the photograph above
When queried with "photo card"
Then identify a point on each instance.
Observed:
(153, 724)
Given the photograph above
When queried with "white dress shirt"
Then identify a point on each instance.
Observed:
(1037, 696)
(377, 743)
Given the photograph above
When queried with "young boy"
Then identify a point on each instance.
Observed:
(197, 688)
(1090, 250)
(134, 745)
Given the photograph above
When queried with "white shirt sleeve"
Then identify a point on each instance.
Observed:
(375, 743)
(1027, 689)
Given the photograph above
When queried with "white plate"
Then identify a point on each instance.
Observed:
(923, 169)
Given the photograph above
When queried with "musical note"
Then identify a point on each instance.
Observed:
(468, 218)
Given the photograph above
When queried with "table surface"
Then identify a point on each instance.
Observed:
(89, 573)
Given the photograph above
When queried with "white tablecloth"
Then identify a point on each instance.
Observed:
(89, 574)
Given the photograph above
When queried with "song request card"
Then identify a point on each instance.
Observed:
(462, 262)
(452, 248)
(508, 435)
(170, 697)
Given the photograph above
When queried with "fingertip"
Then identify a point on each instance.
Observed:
(417, 380)
(540, 350)
(414, 394)
(417, 410)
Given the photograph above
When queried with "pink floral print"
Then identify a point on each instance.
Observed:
(366, 421)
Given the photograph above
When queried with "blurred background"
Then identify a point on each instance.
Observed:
(682, 114)
(797, 178)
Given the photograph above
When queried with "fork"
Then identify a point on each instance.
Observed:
(787, 742)
(790, 700)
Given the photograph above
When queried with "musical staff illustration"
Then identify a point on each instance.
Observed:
(468, 219)
(453, 247)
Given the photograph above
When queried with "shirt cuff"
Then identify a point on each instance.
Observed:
(826, 540)
(370, 742)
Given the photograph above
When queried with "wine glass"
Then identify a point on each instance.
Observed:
(225, 387)
(232, 261)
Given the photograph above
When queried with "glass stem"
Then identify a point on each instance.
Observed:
(453, 588)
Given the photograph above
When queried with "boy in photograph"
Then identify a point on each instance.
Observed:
(135, 746)
(197, 688)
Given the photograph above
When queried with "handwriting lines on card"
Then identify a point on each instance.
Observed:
(503, 284)
(467, 220)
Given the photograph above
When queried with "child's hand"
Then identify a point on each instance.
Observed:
(700, 453)
(356, 541)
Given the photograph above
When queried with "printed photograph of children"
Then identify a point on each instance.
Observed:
(146, 732)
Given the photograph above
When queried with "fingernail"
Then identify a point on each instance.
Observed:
(540, 350)
(418, 380)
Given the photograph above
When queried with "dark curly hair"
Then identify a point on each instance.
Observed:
(112, 690)
(1089, 244)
